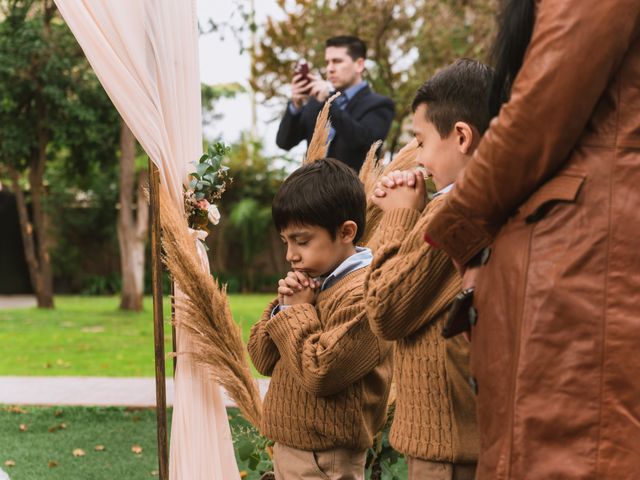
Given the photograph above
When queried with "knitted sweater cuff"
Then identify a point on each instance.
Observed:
(286, 323)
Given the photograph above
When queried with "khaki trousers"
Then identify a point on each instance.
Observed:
(336, 464)
(420, 469)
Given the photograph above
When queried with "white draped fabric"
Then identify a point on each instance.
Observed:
(145, 53)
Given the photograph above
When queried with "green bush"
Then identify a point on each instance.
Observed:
(254, 452)
(102, 285)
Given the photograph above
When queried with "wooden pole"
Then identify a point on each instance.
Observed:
(173, 327)
(158, 320)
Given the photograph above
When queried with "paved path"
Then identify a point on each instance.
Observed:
(17, 301)
(89, 391)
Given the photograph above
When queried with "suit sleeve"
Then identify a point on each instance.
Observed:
(291, 131)
(576, 48)
(374, 124)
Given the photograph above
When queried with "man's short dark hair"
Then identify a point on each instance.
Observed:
(324, 193)
(457, 93)
(356, 48)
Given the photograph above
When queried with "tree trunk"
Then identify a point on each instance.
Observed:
(34, 235)
(132, 227)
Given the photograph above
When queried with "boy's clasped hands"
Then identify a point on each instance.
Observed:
(296, 288)
(401, 189)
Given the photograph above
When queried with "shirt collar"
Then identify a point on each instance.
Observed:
(350, 92)
(443, 190)
(362, 258)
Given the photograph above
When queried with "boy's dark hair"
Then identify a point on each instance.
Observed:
(325, 193)
(356, 48)
(459, 92)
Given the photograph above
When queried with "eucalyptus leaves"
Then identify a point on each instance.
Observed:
(207, 185)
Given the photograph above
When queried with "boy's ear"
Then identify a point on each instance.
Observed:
(467, 137)
(347, 231)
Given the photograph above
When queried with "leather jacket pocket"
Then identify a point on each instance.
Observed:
(561, 188)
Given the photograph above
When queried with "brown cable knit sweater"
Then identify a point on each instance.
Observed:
(330, 375)
(408, 291)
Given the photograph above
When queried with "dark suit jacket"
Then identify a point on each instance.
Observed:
(367, 118)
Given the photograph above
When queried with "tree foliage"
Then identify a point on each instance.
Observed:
(247, 205)
(51, 106)
(48, 91)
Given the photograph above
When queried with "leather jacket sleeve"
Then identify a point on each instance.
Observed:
(576, 48)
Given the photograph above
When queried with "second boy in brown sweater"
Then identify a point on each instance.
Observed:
(330, 375)
(411, 285)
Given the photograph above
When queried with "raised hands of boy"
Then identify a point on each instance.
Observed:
(296, 288)
(400, 189)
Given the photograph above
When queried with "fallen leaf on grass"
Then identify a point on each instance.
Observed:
(78, 452)
(23, 427)
(137, 449)
(100, 448)
(55, 428)
(58, 413)
(155, 473)
(52, 464)
(243, 473)
(9, 463)
(93, 329)
(15, 409)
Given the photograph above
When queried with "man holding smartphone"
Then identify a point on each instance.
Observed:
(359, 117)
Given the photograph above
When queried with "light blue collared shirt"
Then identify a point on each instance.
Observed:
(350, 92)
(362, 258)
(444, 190)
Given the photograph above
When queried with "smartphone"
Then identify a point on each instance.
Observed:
(458, 317)
(302, 68)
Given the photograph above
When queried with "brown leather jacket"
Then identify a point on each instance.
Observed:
(554, 188)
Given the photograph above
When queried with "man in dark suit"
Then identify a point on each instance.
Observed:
(359, 117)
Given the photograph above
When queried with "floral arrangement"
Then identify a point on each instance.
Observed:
(207, 185)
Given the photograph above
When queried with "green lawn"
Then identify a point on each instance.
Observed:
(45, 448)
(39, 443)
(90, 336)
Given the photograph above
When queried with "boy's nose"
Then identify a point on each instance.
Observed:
(291, 255)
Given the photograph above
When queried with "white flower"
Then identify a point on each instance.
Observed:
(213, 214)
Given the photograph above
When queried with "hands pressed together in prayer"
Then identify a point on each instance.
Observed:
(406, 189)
(296, 288)
(401, 189)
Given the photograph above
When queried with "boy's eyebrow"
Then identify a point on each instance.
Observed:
(296, 234)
